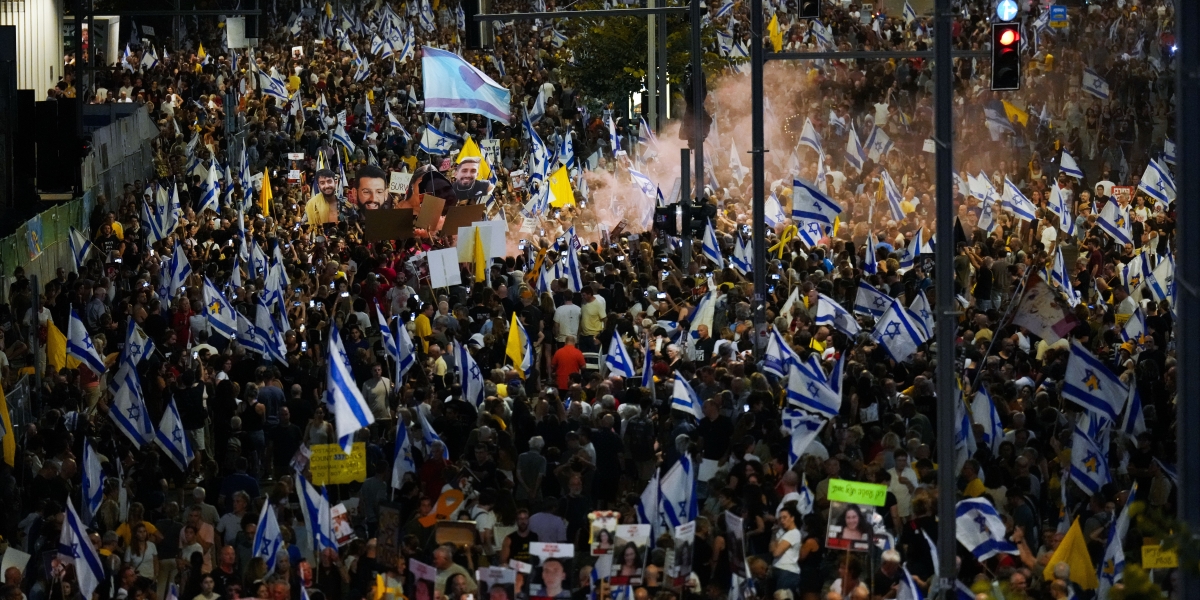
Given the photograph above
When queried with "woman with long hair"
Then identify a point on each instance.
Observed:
(853, 524)
(631, 566)
(142, 554)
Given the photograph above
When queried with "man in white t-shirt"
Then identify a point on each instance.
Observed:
(903, 483)
(485, 522)
(566, 320)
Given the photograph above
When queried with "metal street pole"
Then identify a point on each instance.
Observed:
(1187, 276)
(661, 75)
(757, 168)
(650, 102)
(698, 86)
(947, 313)
(685, 192)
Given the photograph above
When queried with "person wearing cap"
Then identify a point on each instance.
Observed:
(322, 207)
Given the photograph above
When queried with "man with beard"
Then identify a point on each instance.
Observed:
(467, 187)
(323, 207)
(516, 544)
(371, 187)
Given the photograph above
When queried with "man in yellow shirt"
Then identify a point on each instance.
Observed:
(591, 320)
(424, 325)
(323, 207)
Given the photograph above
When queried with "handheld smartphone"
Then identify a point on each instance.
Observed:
(620, 259)
(304, 346)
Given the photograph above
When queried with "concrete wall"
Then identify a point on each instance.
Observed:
(39, 42)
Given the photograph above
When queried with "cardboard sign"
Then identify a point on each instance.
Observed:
(1157, 557)
(930, 146)
(1123, 194)
(294, 176)
(235, 31)
(297, 52)
(443, 268)
(343, 532)
(854, 492)
(330, 465)
(491, 233)
(490, 148)
(383, 224)
(430, 213)
(295, 156)
(398, 182)
(459, 216)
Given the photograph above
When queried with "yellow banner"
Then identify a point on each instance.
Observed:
(1157, 557)
(329, 465)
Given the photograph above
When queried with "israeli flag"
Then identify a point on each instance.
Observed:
(1094, 84)
(435, 142)
(1068, 165)
(804, 430)
(349, 408)
(128, 408)
(566, 152)
(430, 437)
(79, 345)
(1114, 221)
(910, 15)
(779, 357)
(1162, 279)
(677, 493)
(878, 144)
(221, 316)
(648, 188)
(138, 346)
(539, 107)
(773, 212)
(725, 10)
(899, 332)
(855, 155)
(340, 136)
(684, 398)
(269, 335)
(870, 264)
(810, 204)
(648, 370)
(80, 248)
(809, 137)
(1015, 201)
(181, 269)
(247, 336)
(983, 412)
(1058, 205)
(393, 122)
(408, 351)
(454, 85)
(172, 438)
(470, 376)
(267, 539)
(830, 313)
(810, 389)
(573, 274)
(1112, 566)
(743, 256)
(870, 301)
(912, 250)
(317, 518)
(1089, 465)
(921, 309)
(617, 359)
(891, 191)
(390, 344)
(648, 503)
(1133, 419)
(614, 141)
(428, 23)
(402, 460)
(979, 528)
(75, 548)
(93, 481)
(272, 86)
(1169, 152)
(711, 247)
(1157, 183)
(1092, 385)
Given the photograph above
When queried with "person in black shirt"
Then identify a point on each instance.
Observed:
(516, 544)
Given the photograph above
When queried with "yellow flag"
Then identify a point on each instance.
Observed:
(56, 349)
(775, 33)
(10, 441)
(1073, 551)
(265, 196)
(201, 54)
(471, 150)
(329, 10)
(561, 193)
(480, 261)
(515, 349)
(1015, 114)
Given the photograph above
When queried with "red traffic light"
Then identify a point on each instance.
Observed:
(1008, 36)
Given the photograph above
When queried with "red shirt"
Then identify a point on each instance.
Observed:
(567, 362)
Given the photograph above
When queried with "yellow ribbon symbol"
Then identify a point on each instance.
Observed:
(788, 235)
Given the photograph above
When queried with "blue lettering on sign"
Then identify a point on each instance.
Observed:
(1058, 13)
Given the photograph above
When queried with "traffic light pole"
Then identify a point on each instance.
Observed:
(698, 86)
(758, 167)
(685, 192)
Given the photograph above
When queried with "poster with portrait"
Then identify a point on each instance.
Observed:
(603, 532)
(683, 552)
(425, 576)
(735, 539)
(497, 583)
(630, 549)
(523, 572)
(850, 526)
(552, 573)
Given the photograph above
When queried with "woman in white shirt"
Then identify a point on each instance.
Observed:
(785, 547)
(142, 554)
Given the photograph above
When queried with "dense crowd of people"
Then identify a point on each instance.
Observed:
(552, 436)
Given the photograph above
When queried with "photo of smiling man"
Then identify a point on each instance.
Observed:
(468, 188)
(371, 188)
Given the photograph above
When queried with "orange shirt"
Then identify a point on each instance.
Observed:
(567, 362)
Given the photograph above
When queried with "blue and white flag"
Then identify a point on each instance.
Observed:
(779, 357)
(855, 155)
(79, 345)
(684, 398)
(267, 539)
(870, 264)
(912, 250)
(648, 188)
(269, 335)
(743, 255)
(1133, 418)
(80, 248)
(572, 270)
(247, 336)
(648, 370)
(711, 247)
(614, 140)
(891, 191)
(809, 137)
(878, 144)
(433, 141)
(979, 528)
(181, 269)
(138, 346)
(1115, 221)
(810, 204)
(1169, 152)
(1157, 183)
(908, 589)
(75, 548)
(272, 86)
(430, 437)
(221, 316)
(539, 107)
(870, 301)
(924, 313)
(470, 376)
(93, 481)
(317, 518)
(1059, 205)
(566, 151)
(910, 15)
(454, 85)
(128, 407)
(805, 428)
(1112, 566)
(983, 412)
(617, 359)
(677, 493)
(349, 408)
(964, 435)
(210, 191)
(1094, 84)
(898, 332)
(648, 504)
(173, 439)
(1060, 277)
(830, 313)
(1089, 462)
(1068, 165)
(773, 212)
(339, 136)
(1135, 328)
(390, 344)
(1015, 201)
(1092, 385)
(402, 460)
(810, 389)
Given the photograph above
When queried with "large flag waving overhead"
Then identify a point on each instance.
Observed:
(128, 408)
(470, 376)
(1092, 385)
(684, 398)
(221, 316)
(979, 528)
(809, 388)
(173, 439)
(349, 408)
(75, 548)
(617, 359)
(267, 538)
(316, 513)
(454, 85)
(79, 345)
(93, 481)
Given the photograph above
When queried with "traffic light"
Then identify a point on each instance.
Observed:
(1006, 56)
(810, 9)
(668, 220)
(699, 213)
(689, 110)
